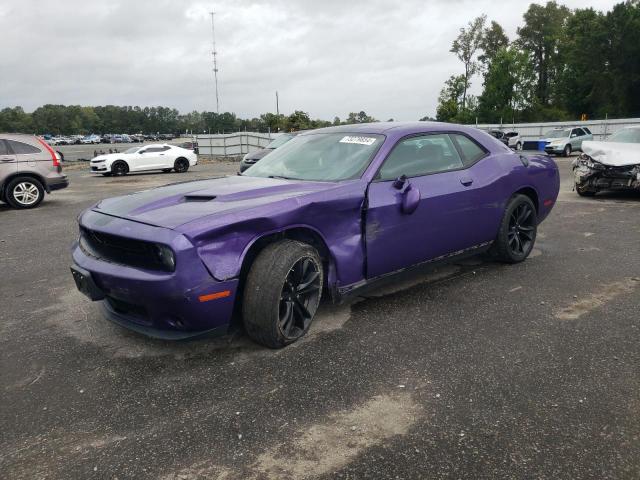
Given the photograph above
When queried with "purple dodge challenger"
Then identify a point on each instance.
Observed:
(331, 211)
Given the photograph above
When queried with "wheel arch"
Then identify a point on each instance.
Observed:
(302, 233)
(117, 160)
(532, 194)
(33, 175)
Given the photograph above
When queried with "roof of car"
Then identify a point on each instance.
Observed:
(385, 127)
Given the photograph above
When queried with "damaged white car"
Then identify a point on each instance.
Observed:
(610, 165)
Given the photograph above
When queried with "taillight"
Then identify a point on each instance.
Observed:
(56, 162)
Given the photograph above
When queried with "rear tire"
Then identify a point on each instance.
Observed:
(119, 168)
(24, 192)
(517, 233)
(282, 293)
(181, 165)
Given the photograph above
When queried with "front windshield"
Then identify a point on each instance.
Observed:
(132, 150)
(558, 133)
(281, 140)
(626, 135)
(326, 157)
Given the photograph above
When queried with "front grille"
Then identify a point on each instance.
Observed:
(121, 250)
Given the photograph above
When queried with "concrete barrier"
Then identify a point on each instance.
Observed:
(233, 144)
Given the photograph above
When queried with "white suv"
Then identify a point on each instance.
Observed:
(515, 141)
(143, 158)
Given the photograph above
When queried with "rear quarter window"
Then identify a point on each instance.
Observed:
(20, 148)
(471, 151)
(4, 150)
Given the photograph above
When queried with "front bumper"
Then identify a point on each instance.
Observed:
(592, 176)
(99, 167)
(182, 304)
(554, 149)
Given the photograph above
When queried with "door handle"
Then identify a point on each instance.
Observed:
(6, 159)
(466, 181)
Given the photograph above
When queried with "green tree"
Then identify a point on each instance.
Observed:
(493, 41)
(360, 117)
(507, 86)
(623, 23)
(465, 47)
(15, 120)
(540, 37)
(298, 120)
(450, 99)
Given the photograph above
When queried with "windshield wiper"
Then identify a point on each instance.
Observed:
(281, 177)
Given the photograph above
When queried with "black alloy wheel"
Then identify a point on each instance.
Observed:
(300, 297)
(517, 233)
(522, 226)
(181, 165)
(119, 168)
(282, 293)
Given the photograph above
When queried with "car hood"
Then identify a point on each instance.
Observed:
(613, 153)
(109, 156)
(553, 140)
(257, 155)
(175, 205)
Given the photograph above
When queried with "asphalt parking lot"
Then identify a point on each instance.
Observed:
(475, 370)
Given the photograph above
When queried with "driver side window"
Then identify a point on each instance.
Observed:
(422, 155)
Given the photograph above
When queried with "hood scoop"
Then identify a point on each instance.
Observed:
(198, 198)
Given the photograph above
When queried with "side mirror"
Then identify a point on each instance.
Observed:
(410, 194)
(410, 200)
(573, 135)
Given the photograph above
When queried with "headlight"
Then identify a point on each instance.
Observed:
(166, 257)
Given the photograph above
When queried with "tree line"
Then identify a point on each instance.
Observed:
(564, 64)
(75, 119)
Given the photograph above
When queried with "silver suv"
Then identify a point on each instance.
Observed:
(28, 168)
(563, 141)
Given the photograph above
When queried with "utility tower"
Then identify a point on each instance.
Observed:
(215, 61)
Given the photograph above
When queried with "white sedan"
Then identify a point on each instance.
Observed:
(141, 159)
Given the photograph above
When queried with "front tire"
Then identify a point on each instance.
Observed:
(181, 165)
(24, 193)
(119, 168)
(567, 150)
(282, 293)
(518, 229)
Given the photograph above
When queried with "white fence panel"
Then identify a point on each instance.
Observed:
(233, 144)
(601, 129)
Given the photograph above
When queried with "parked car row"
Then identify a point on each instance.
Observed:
(106, 138)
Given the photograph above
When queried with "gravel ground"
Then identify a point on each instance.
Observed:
(475, 370)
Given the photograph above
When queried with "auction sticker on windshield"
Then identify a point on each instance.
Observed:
(358, 140)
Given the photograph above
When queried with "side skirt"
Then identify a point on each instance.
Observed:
(355, 289)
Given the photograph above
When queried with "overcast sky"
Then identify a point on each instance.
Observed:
(330, 57)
